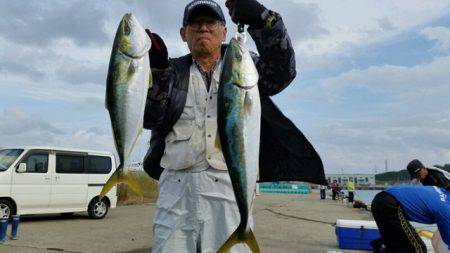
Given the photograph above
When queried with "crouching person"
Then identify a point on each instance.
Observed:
(395, 207)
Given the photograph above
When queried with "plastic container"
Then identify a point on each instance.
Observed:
(356, 234)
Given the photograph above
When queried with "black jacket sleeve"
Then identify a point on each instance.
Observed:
(157, 98)
(442, 180)
(436, 178)
(276, 61)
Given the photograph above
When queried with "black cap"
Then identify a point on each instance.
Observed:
(200, 4)
(413, 167)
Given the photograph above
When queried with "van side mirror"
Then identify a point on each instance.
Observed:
(22, 168)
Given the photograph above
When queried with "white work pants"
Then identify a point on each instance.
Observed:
(195, 212)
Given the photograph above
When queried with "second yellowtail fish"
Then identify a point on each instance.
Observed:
(239, 119)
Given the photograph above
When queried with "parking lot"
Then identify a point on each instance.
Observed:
(283, 223)
(124, 229)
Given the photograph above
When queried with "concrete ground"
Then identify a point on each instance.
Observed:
(283, 223)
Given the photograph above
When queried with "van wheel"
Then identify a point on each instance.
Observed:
(98, 209)
(6, 209)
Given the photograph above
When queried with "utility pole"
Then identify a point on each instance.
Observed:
(386, 165)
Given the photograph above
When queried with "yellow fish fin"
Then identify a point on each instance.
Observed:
(127, 179)
(134, 185)
(248, 103)
(249, 239)
(251, 242)
(139, 132)
(424, 233)
(150, 80)
(217, 142)
(112, 181)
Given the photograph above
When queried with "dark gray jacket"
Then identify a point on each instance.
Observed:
(285, 153)
(436, 178)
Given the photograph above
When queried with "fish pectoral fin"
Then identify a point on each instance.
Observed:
(150, 79)
(112, 181)
(217, 142)
(249, 239)
(248, 103)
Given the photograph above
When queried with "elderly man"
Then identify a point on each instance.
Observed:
(196, 208)
(429, 176)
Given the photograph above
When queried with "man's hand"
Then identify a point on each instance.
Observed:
(247, 12)
(158, 52)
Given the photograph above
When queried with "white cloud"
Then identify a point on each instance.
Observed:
(47, 57)
(15, 121)
(22, 128)
(353, 26)
(362, 23)
(362, 145)
(420, 81)
(410, 122)
(39, 23)
(439, 34)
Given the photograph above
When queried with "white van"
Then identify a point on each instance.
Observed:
(38, 180)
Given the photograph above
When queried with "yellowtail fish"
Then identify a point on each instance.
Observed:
(129, 78)
(239, 118)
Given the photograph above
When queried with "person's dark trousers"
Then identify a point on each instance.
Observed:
(397, 233)
(322, 193)
(334, 194)
(350, 197)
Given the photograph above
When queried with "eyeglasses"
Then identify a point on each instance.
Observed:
(198, 24)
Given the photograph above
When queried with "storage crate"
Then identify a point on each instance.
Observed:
(356, 234)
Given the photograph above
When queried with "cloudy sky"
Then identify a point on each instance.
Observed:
(373, 82)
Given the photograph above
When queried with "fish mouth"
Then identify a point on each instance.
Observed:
(134, 40)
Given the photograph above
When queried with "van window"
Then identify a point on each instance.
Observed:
(69, 164)
(7, 157)
(37, 163)
(98, 164)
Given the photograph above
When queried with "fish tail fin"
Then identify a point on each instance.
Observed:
(134, 185)
(249, 239)
(127, 179)
(251, 242)
(112, 181)
(230, 242)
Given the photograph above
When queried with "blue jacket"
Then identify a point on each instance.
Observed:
(425, 204)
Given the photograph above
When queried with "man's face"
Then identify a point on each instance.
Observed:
(422, 174)
(204, 34)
